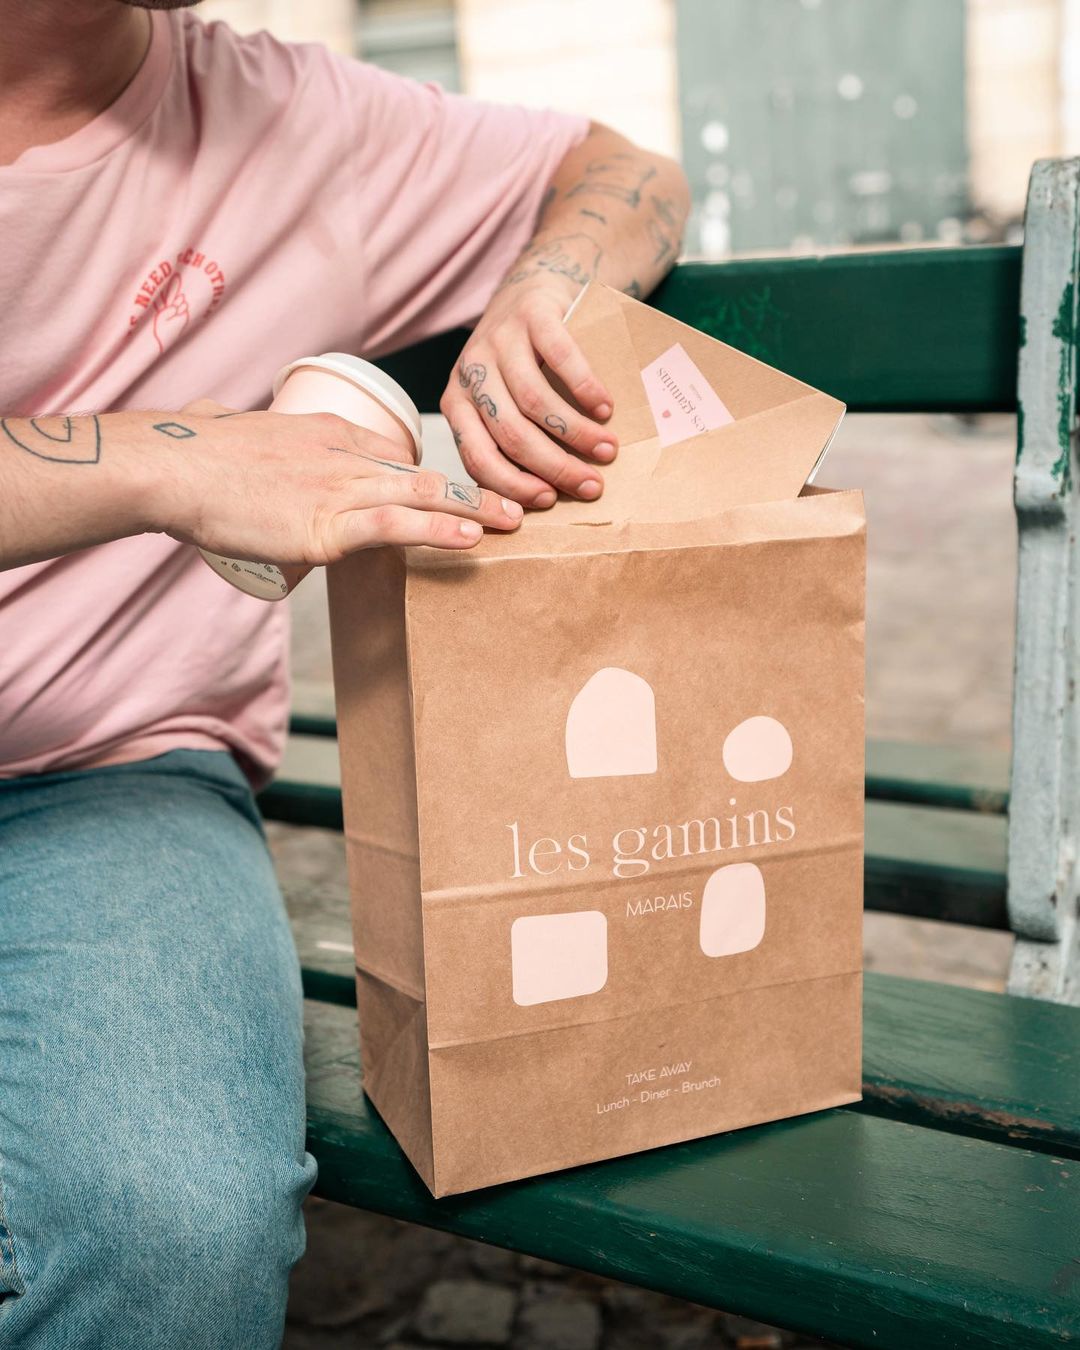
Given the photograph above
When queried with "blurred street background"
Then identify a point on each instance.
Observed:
(804, 125)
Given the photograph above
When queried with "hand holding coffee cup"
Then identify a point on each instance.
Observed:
(346, 479)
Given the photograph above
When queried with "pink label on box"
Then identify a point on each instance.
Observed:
(683, 402)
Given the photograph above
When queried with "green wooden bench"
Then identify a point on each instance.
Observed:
(944, 1209)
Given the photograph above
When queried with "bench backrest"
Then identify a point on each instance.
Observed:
(898, 331)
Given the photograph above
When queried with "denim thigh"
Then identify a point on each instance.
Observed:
(152, 1162)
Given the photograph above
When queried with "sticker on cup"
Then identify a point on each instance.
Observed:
(263, 580)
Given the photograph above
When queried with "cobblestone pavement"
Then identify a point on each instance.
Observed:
(940, 612)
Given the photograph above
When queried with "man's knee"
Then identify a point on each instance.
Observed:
(221, 1224)
(190, 1247)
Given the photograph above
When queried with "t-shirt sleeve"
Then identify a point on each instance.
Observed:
(448, 193)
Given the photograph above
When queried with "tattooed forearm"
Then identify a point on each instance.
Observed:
(64, 440)
(668, 212)
(472, 378)
(662, 243)
(621, 175)
(576, 256)
(556, 423)
(664, 229)
(611, 213)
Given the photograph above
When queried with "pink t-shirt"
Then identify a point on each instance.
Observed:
(243, 202)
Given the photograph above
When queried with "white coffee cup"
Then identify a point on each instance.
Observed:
(354, 389)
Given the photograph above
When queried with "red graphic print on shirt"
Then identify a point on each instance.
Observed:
(171, 312)
(174, 292)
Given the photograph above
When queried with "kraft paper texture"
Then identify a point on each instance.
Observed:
(603, 790)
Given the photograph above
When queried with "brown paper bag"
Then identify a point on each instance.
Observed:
(603, 786)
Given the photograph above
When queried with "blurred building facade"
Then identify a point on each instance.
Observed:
(802, 123)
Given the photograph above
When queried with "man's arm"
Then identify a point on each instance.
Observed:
(69, 482)
(614, 213)
(264, 486)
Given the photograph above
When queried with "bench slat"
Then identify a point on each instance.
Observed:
(898, 330)
(297, 801)
(934, 864)
(831, 1224)
(993, 1065)
(313, 724)
(999, 1067)
(926, 863)
(959, 778)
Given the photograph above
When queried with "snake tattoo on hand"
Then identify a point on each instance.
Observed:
(472, 378)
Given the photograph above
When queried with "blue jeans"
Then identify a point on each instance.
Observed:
(152, 1162)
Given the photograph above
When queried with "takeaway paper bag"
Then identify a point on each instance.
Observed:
(603, 789)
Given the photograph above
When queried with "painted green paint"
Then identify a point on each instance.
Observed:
(299, 803)
(1062, 467)
(957, 778)
(326, 986)
(952, 797)
(928, 863)
(962, 1060)
(749, 320)
(992, 1065)
(1065, 330)
(868, 1231)
(1064, 325)
(312, 724)
(1043, 791)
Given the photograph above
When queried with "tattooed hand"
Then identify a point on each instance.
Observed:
(511, 427)
(312, 488)
(295, 488)
(614, 213)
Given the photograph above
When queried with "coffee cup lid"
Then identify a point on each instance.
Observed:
(367, 377)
